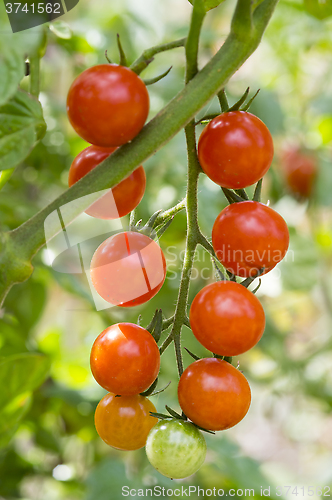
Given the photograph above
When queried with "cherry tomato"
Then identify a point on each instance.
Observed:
(175, 448)
(226, 318)
(121, 199)
(214, 394)
(124, 422)
(235, 149)
(248, 236)
(128, 269)
(125, 359)
(108, 105)
(300, 171)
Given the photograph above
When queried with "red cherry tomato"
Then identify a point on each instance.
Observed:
(108, 105)
(121, 199)
(128, 269)
(214, 394)
(300, 171)
(235, 149)
(226, 318)
(248, 236)
(125, 359)
(124, 422)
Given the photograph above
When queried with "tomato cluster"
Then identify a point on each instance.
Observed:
(107, 106)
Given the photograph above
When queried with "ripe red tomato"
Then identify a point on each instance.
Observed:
(108, 105)
(248, 236)
(300, 171)
(124, 422)
(235, 149)
(214, 394)
(125, 359)
(128, 269)
(226, 318)
(120, 200)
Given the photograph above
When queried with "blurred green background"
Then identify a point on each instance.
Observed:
(49, 447)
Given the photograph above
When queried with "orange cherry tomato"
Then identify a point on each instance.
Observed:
(121, 199)
(108, 105)
(124, 422)
(125, 359)
(248, 236)
(128, 269)
(226, 318)
(214, 394)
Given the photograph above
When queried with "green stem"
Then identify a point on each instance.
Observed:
(34, 62)
(192, 42)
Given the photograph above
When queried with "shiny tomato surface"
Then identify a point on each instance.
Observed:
(128, 269)
(226, 318)
(214, 394)
(125, 359)
(121, 199)
(235, 149)
(124, 422)
(249, 236)
(107, 105)
(300, 172)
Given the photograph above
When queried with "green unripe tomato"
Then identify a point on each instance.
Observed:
(175, 448)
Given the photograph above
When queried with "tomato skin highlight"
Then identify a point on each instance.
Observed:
(107, 105)
(128, 269)
(226, 318)
(124, 422)
(248, 236)
(214, 394)
(125, 359)
(175, 448)
(235, 149)
(122, 198)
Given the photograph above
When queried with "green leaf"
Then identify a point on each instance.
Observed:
(11, 73)
(61, 30)
(21, 126)
(321, 9)
(209, 4)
